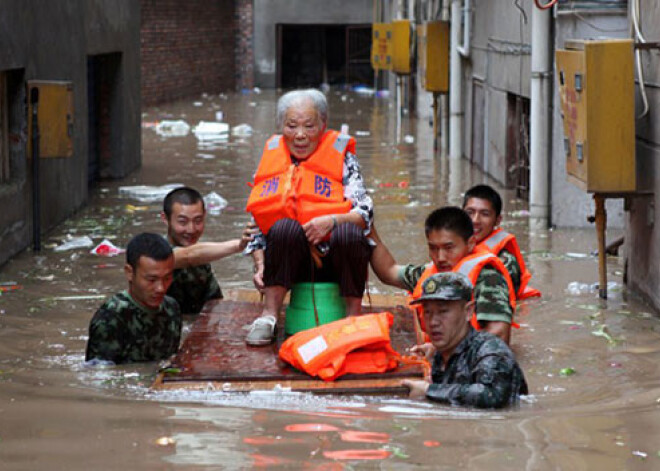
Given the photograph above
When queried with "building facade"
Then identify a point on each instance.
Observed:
(91, 49)
(496, 99)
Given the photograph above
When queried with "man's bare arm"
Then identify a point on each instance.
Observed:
(207, 252)
(383, 263)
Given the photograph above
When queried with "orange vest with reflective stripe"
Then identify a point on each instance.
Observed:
(304, 191)
(356, 344)
(499, 240)
(470, 266)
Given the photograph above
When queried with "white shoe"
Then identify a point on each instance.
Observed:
(262, 331)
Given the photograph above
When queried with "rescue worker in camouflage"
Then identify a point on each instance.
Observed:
(194, 283)
(141, 323)
(450, 239)
(484, 206)
(470, 368)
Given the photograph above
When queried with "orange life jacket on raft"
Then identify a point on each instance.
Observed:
(357, 344)
(499, 240)
(312, 187)
(470, 266)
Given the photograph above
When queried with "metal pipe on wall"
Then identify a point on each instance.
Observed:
(455, 85)
(541, 71)
(464, 49)
(444, 99)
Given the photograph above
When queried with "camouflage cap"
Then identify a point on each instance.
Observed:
(446, 286)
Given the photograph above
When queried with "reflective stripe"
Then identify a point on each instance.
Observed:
(274, 142)
(495, 239)
(467, 267)
(341, 142)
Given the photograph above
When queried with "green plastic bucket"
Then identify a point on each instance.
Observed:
(330, 306)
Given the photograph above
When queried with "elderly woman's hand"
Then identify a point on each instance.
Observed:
(318, 228)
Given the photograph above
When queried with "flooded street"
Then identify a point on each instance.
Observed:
(593, 366)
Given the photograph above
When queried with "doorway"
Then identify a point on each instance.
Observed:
(309, 55)
(104, 116)
(517, 147)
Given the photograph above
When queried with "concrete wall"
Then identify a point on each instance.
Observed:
(501, 60)
(643, 225)
(269, 13)
(570, 205)
(44, 40)
(188, 47)
(244, 51)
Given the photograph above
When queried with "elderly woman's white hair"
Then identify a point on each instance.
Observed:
(297, 97)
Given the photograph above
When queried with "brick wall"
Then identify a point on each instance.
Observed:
(244, 51)
(188, 47)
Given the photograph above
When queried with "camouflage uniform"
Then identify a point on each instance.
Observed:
(511, 263)
(193, 286)
(491, 292)
(122, 331)
(482, 372)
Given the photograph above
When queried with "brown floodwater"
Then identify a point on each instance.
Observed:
(58, 413)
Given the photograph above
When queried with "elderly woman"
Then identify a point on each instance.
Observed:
(309, 201)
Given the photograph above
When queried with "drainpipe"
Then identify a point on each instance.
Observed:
(464, 49)
(539, 195)
(455, 86)
(444, 99)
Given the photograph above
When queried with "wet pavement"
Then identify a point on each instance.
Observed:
(592, 365)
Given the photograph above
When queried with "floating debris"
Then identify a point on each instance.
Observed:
(603, 331)
(107, 249)
(242, 130)
(362, 90)
(577, 255)
(165, 441)
(408, 139)
(215, 203)
(168, 128)
(146, 193)
(74, 298)
(520, 213)
(132, 209)
(10, 286)
(209, 130)
(75, 243)
(567, 372)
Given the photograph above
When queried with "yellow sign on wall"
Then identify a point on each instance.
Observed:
(381, 46)
(433, 54)
(596, 90)
(54, 117)
(401, 46)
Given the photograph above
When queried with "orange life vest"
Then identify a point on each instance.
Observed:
(499, 240)
(470, 266)
(357, 344)
(304, 191)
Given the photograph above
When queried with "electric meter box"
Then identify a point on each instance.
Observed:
(433, 54)
(381, 46)
(401, 47)
(596, 89)
(54, 117)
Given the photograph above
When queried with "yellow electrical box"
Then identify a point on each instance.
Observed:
(381, 46)
(401, 46)
(54, 117)
(433, 54)
(596, 89)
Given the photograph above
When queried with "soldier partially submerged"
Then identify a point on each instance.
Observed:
(470, 368)
(141, 323)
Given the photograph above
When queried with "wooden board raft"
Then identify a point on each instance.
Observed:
(214, 356)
